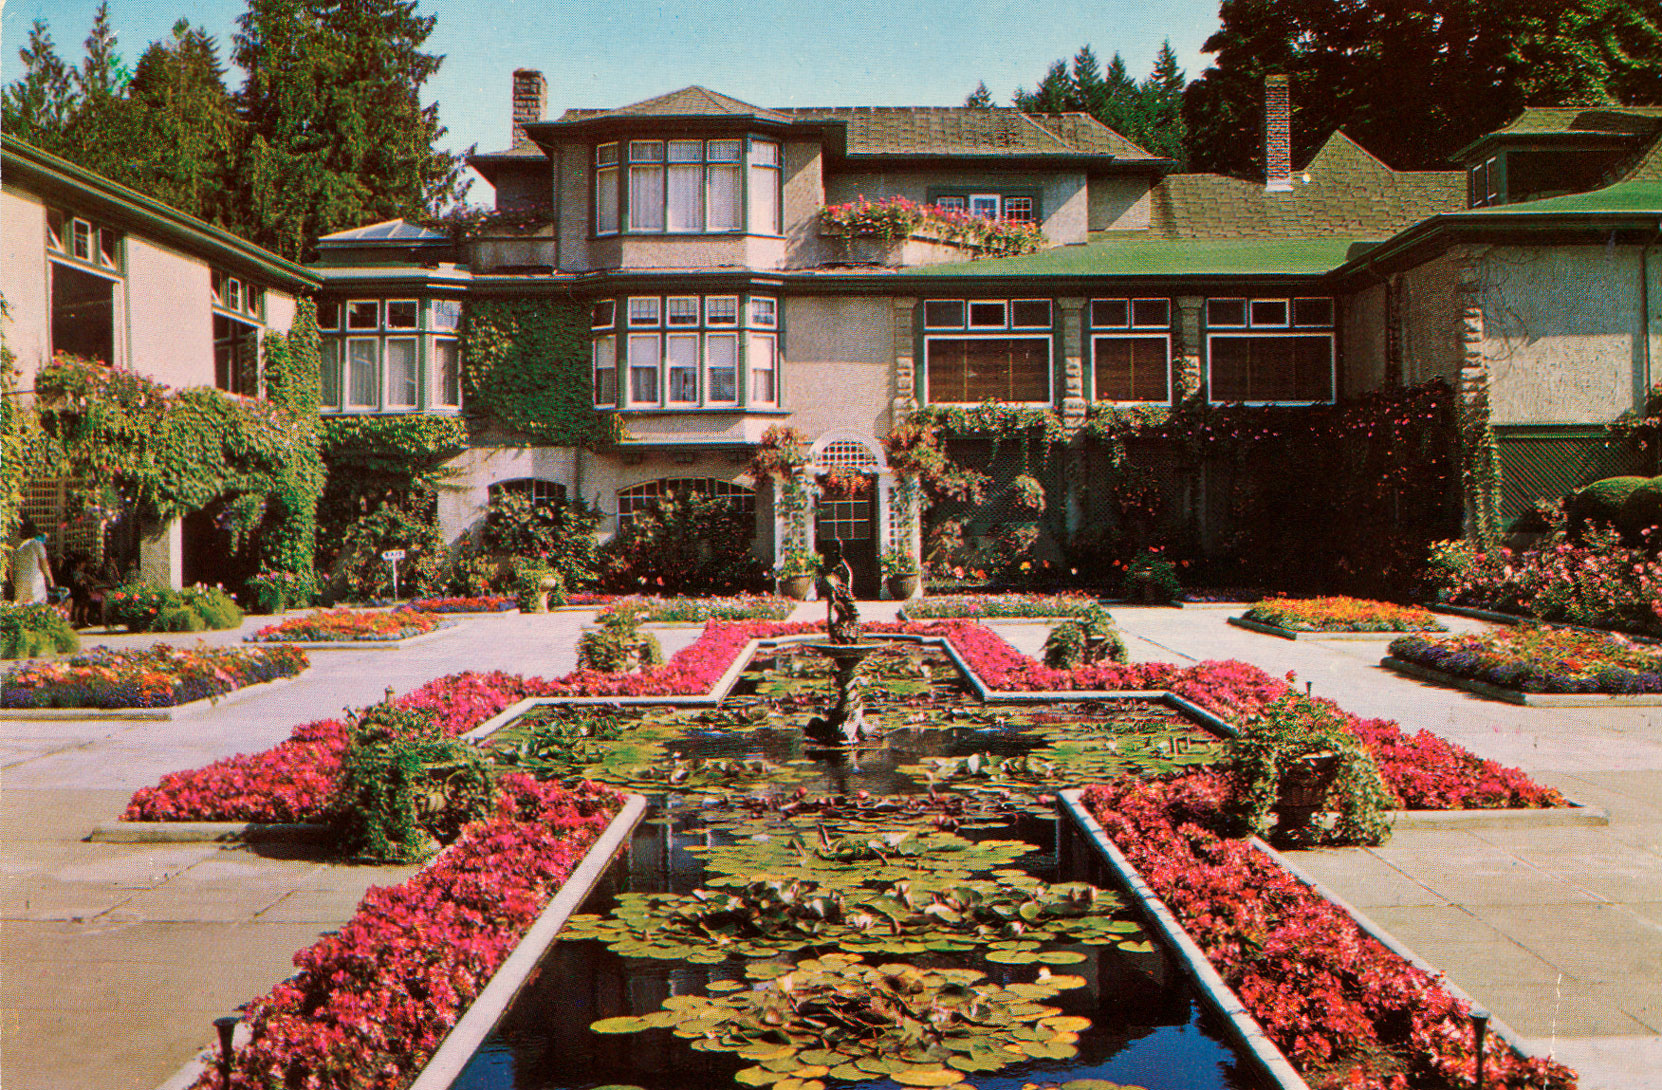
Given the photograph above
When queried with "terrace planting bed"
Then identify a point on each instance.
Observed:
(1334, 619)
(158, 682)
(1538, 665)
(353, 630)
(992, 607)
(483, 605)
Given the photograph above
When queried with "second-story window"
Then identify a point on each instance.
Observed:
(85, 261)
(686, 352)
(238, 316)
(687, 186)
(390, 355)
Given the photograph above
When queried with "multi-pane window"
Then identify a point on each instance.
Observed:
(85, 262)
(633, 500)
(687, 186)
(541, 492)
(1131, 349)
(978, 355)
(393, 355)
(686, 351)
(1270, 350)
(1021, 206)
(1483, 183)
(238, 313)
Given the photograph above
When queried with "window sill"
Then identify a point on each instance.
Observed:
(358, 410)
(682, 410)
(683, 235)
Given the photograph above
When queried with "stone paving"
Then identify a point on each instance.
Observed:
(114, 959)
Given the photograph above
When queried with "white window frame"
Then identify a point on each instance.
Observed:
(963, 313)
(952, 203)
(1003, 306)
(724, 323)
(696, 367)
(994, 335)
(762, 312)
(657, 369)
(611, 321)
(751, 370)
(657, 318)
(670, 321)
(729, 336)
(346, 374)
(387, 377)
(336, 347)
(436, 398)
(1129, 334)
(989, 205)
(82, 235)
(1332, 353)
(1032, 210)
(607, 171)
(441, 306)
(608, 342)
(1050, 312)
(346, 315)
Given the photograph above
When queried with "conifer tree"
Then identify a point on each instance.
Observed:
(37, 106)
(980, 98)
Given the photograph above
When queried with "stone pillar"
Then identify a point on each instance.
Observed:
(1479, 459)
(162, 554)
(1186, 365)
(1073, 365)
(905, 360)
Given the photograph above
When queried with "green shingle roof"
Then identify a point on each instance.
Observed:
(1349, 194)
(1597, 120)
(692, 101)
(1634, 196)
(1165, 257)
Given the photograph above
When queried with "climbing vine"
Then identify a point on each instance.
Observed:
(526, 367)
(374, 461)
(782, 456)
(293, 378)
(17, 443)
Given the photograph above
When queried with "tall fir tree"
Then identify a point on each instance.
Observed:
(980, 98)
(39, 104)
(337, 133)
(1162, 101)
(1145, 113)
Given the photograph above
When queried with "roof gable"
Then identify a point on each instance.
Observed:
(691, 101)
(397, 231)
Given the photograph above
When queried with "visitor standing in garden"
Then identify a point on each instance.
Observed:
(31, 571)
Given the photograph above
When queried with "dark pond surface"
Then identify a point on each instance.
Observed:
(1146, 1028)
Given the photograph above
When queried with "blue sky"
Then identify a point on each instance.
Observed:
(784, 53)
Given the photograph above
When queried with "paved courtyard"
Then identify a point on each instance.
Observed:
(114, 958)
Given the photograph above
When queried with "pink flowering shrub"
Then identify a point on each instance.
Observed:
(1347, 1011)
(371, 1003)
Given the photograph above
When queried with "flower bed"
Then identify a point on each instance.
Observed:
(488, 603)
(1000, 605)
(292, 781)
(1341, 614)
(1347, 1011)
(1541, 659)
(372, 1002)
(161, 676)
(741, 607)
(347, 626)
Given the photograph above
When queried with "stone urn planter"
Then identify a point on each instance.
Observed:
(796, 587)
(1303, 789)
(904, 587)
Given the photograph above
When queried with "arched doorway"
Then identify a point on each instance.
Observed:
(852, 518)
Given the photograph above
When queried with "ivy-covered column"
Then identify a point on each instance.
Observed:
(905, 360)
(1479, 457)
(162, 553)
(1074, 406)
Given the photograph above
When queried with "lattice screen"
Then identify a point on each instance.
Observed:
(47, 504)
(1538, 464)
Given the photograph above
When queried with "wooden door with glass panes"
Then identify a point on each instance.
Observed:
(852, 521)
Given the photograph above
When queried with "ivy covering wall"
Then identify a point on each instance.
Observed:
(527, 369)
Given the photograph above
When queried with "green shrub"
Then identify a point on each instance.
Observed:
(145, 608)
(1080, 641)
(1641, 511)
(360, 572)
(1151, 577)
(684, 544)
(30, 631)
(560, 535)
(404, 790)
(536, 585)
(1600, 502)
(618, 645)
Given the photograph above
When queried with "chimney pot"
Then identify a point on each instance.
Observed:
(530, 100)
(1278, 135)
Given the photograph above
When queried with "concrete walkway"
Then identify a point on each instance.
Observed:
(1557, 931)
(114, 959)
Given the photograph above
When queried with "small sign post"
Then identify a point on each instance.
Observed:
(393, 556)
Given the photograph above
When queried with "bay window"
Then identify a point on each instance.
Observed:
(681, 362)
(363, 365)
(687, 186)
(447, 373)
(721, 365)
(1271, 350)
(644, 360)
(763, 352)
(605, 370)
(387, 355)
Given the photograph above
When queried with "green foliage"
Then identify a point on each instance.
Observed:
(560, 535)
(30, 631)
(1147, 113)
(536, 586)
(1642, 512)
(1599, 502)
(372, 460)
(1412, 83)
(359, 570)
(527, 368)
(899, 561)
(618, 645)
(404, 789)
(293, 377)
(1277, 743)
(146, 608)
(1080, 641)
(683, 544)
(1152, 577)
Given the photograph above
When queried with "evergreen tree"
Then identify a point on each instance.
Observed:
(337, 133)
(980, 98)
(1055, 94)
(102, 75)
(1089, 89)
(1145, 113)
(39, 104)
(1162, 102)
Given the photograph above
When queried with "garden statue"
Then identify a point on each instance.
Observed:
(836, 582)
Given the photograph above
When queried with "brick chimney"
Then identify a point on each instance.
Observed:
(530, 100)
(1278, 135)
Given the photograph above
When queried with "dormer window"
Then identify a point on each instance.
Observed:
(686, 186)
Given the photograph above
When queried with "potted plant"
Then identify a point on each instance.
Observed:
(796, 574)
(1150, 577)
(900, 572)
(1299, 758)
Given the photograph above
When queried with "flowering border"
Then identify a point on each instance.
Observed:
(347, 626)
(1324, 991)
(371, 1003)
(1541, 659)
(487, 603)
(998, 605)
(159, 676)
(1342, 614)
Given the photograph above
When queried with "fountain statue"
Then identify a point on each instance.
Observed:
(845, 723)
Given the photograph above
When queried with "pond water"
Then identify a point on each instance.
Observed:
(895, 915)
